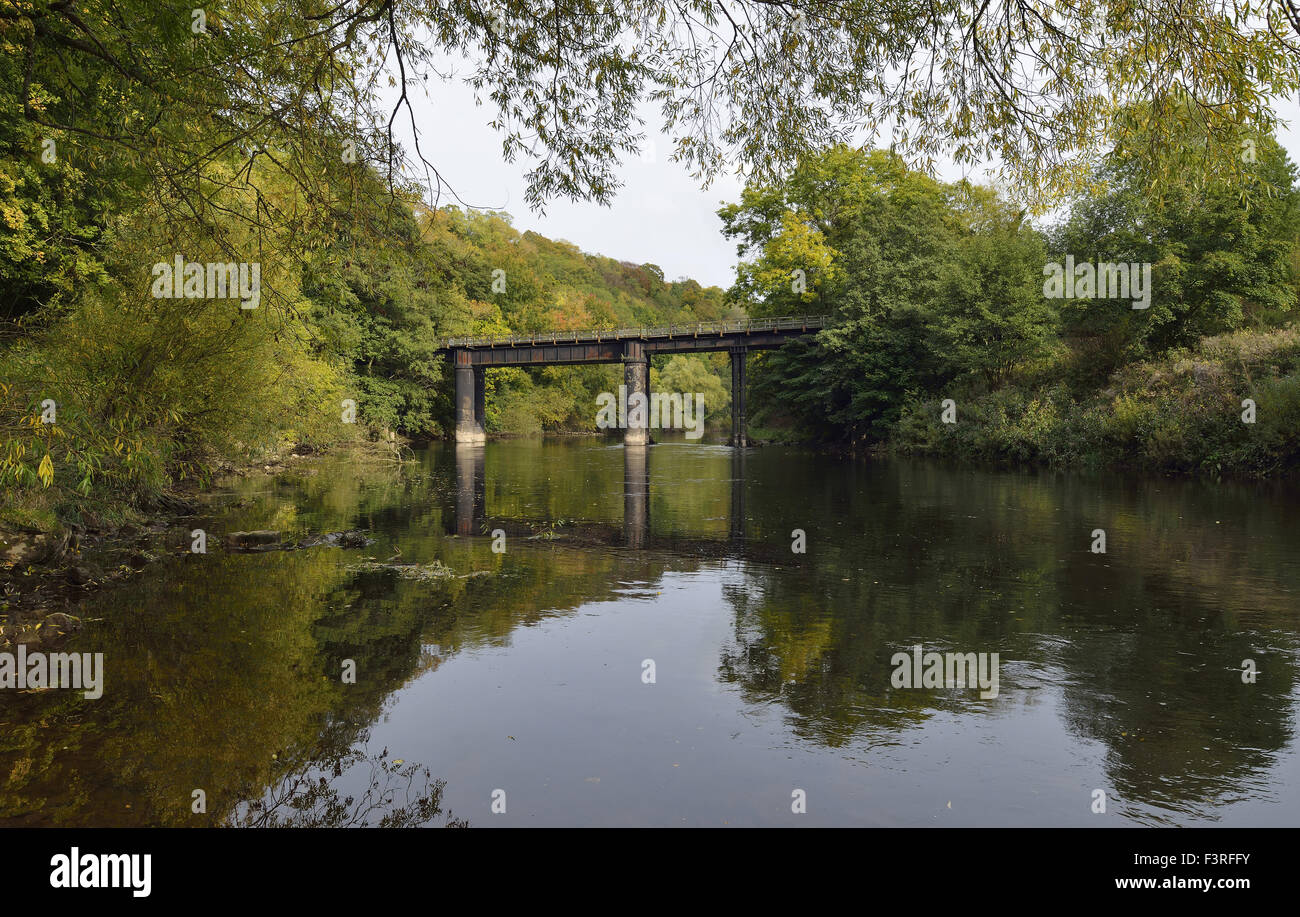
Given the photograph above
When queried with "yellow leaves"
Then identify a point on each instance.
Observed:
(46, 470)
(13, 217)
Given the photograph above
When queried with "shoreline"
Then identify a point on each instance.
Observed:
(46, 575)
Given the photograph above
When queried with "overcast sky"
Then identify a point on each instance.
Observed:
(660, 216)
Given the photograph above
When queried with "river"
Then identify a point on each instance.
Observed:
(632, 638)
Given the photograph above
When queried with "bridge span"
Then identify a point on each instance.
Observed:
(633, 347)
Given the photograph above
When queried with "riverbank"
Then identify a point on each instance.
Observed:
(46, 570)
(1229, 407)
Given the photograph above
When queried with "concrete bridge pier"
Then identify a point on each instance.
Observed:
(738, 395)
(636, 378)
(469, 401)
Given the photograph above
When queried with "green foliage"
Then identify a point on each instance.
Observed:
(1220, 260)
(1182, 413)
(148, 93)
(993, 317)
(936, 291)
(762, 85)
(149, 390)
(696, 374)
(925, 283)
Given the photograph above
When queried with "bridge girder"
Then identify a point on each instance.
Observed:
(610, 351)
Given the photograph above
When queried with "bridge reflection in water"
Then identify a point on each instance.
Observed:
(472, 516)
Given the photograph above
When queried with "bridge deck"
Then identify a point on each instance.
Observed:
(784, 326)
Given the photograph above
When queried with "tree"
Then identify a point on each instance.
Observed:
(690, 374)
(923, 282)
(161, 89)
(993, 316)
(1221, 258)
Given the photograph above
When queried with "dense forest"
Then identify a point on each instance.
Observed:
(147, 390)
(943, 301)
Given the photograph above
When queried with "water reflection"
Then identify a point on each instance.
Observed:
(1120, 671)
(471, 488)
(636, 496)
(395, 794)
(470, 514)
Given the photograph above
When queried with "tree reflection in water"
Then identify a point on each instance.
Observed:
(397, 795)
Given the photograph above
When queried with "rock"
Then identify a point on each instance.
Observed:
(271, 541)
(65, 623)
(22, 549)
(424, 572)
(253, 540)
(79, 576)
(139, 560)
(174, 503)
(350, 539)
(15, 548)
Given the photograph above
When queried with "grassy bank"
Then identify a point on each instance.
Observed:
(1182, 413)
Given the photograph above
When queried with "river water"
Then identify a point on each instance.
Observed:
(631, 638)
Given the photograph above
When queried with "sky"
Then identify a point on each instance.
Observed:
(661, 215)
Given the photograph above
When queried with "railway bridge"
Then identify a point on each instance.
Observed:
(633, 347)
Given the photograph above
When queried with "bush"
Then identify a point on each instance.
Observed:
(1180, 414)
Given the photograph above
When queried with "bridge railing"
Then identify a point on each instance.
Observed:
(696, 329)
